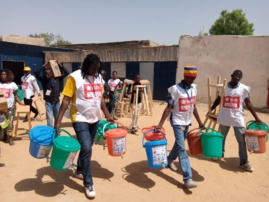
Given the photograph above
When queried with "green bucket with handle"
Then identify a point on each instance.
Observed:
(211, 143)
(64, 151)
(102, 127)
(252, 125)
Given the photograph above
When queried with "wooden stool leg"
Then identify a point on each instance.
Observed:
(29, 121)
(17, 124)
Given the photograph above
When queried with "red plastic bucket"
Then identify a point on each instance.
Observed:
(116, 140)
(194, 142)
(152, 135)
(256, 140)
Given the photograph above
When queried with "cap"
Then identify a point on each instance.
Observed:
(27, 69)
(190, 71)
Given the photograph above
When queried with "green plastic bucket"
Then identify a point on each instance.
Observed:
(102, 127)
(252, 125)
(211, 143)
(64, 151)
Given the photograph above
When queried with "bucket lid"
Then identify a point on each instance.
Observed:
(155, 143)
(212, 133)
(116, 132)
(42, 134)
(67, 143)
(255, 126)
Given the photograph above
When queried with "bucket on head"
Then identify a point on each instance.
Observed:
(153, 134)
(41, 141)
(211, 143)
(116, 140)
(255, 141)
(156, 151)
(252, 125)
(64, 151)
(194, 142)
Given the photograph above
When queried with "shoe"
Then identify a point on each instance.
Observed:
(11, 143)
(90, 192)
(79, 176)
(171, 165)
(133, 131)
(25, 119)
(247, 167)
(35, 115)
(190, 184)
(215, 159)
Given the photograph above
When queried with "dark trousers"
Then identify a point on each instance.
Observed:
(30, 102)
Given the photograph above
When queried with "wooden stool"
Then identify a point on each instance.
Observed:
(38, 101)
(22, 109)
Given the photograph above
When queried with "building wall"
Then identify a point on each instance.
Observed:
(221, 55)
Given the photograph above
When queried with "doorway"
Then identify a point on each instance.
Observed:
(16, 68)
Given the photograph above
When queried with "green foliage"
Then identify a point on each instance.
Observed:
(51, 39)
(234, 23)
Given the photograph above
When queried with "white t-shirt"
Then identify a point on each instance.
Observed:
(8, 89)
(184, 101)
(113, 83)
(231, 110)
(29, 84)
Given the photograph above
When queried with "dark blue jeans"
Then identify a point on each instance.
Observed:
(85, 133)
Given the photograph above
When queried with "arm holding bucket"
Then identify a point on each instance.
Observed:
(251, 109)
(65, 103)
(104, 109)
(196, 114)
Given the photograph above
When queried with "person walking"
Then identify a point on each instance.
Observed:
(115, 85)
(9, 89)
(84, 88)
(180, 107)
(51, 90)
(232, 114)
(29, 87)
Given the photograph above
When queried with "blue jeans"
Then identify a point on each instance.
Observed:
(179, 151)
(52, 110)
(85, 133)
(240, 137)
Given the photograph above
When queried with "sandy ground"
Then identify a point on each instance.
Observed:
(130, 179)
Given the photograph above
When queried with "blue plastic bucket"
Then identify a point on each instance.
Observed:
(156, 151)
(41, 141)
(64, 151)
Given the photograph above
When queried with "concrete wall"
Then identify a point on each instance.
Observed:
(221, 55)
(23, 40)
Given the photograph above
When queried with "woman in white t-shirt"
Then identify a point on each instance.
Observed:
(115, 85)
(9, 89)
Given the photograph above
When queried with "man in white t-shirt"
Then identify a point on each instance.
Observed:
(232, 114)
(29, 87)
(180, 107)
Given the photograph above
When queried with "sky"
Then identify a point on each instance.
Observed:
(101, 21)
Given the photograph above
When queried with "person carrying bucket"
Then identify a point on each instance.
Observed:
(180, 107)
(231, 114)
(84, 88)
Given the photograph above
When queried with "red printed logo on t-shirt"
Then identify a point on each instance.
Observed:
(184, 104)
(6, 91)
(232, 102)
(25, 85)
(92, 90)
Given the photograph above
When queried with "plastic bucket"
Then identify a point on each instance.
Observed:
(156, 151)
(102, 127)
(194, 142)
(252, 125)
(116, 140)
(41, 141)
(64, 152)
(152, 135)
(256, 141)
(211, 143)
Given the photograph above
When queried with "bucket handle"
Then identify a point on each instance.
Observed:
(205, 128)
(251, 122)
(61, 130)
(149, 131)
(118, 123)
(144, 130)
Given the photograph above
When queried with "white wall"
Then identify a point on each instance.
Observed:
(221, 55)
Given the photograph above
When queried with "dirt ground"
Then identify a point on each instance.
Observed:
(130, 178)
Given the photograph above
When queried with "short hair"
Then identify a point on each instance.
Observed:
(114, 72)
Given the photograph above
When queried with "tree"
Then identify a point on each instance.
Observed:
(234, 23)
(51, 39)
